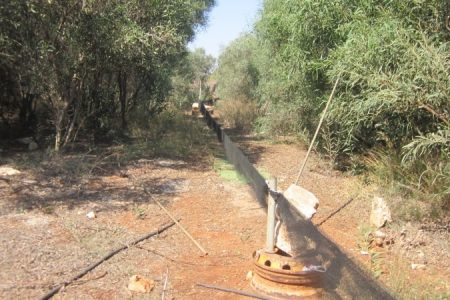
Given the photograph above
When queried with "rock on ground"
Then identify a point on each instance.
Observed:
(380, 213)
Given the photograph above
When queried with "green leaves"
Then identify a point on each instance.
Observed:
(190, 78)
(238, 72)
(72, 55)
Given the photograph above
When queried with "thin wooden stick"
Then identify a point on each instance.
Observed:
(105, 258)
(165, 283)
(335, 212)
(317, 130)
(182, 228)
(179, 225)
(234, 291)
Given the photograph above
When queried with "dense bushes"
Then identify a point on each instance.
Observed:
(90, 64)
(238, 76)
(393, 61)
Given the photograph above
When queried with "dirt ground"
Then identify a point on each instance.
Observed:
(343, 215)
(46, 237)
(41, 250)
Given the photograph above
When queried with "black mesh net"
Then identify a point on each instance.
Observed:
(344, 279)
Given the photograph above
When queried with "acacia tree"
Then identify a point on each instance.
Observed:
(368, 43)
(91, 61)
(190, 78)
(392, 58)
(238, 69)
(201, 65)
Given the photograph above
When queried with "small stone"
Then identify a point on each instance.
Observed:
(91, 215)
(140, 284)
(249, 275)
(379, 237)
(32, 146)
(380, 213)
(379, 234)
(364, 253)
(8, 171)
(418, 266)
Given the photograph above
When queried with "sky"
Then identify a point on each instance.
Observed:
(227, 20)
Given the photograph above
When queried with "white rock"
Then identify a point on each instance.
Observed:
(364, 253)
(379, 234)
(314, 268)
(140, 284)
(418, 266)
(8, 171)
(91, 215)
(249, 275)
(380, 213)
(302, 200)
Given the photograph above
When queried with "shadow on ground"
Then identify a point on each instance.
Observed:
(344, 278)
(80, 174)
(247, 144)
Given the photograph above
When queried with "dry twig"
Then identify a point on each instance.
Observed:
(234, 291)
(105, 258)
(173, 218)
(178, 224)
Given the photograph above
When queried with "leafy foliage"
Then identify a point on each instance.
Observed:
(393, 61)
(238, 77)
(91, 62)
(237, 71)
(190, 79)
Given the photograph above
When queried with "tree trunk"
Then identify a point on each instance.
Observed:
(122, 81)
(59, 127)
(200, 90)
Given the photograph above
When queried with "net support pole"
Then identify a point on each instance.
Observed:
(270, 237)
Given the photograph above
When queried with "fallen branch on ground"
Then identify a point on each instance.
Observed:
(105, 258)
(178, 224)
(234, 291)
(91, 279)
(171, 216)
(175, 261)
(335, 212)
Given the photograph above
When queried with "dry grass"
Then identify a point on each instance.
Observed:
(238, 114)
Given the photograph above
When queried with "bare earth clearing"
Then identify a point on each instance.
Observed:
(343, 215)
(46, 237)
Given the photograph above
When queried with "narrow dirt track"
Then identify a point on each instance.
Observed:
(46, 238)
(41, 250)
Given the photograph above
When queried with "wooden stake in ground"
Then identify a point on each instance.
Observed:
(105, 258)
(317, 131)
(179, 225)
